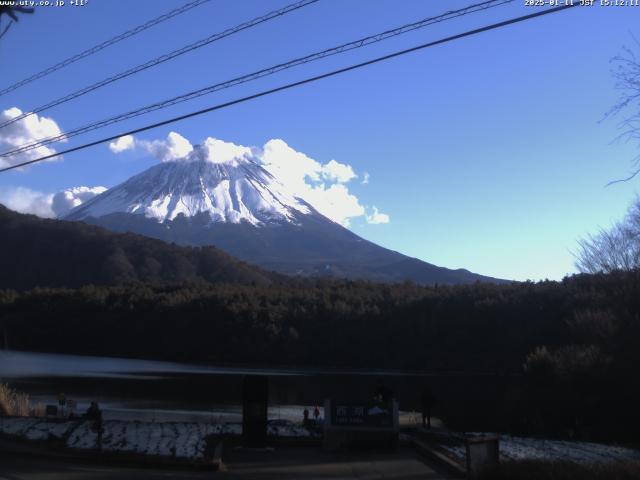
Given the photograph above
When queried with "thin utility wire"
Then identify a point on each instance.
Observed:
(90, 51)
(362, 42)
(300, 83)
(163, 58)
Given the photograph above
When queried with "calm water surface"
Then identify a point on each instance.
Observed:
(145, 389)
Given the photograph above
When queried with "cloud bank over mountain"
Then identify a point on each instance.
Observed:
(325, 186)
(62, 202)
(46, 205)
(26, 200)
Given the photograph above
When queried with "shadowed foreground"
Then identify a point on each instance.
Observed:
(283, 463)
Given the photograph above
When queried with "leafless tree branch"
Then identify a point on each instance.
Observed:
(616, 248)
(626, 73)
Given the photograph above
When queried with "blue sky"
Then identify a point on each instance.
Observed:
(487, 153)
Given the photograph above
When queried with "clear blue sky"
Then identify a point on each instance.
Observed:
(487, 153)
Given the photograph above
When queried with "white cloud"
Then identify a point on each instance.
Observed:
(338, 172)
(126, 142)
(25, 200)
(320, 185)
(46, 205)
(62, 202)
(175, 147)
(26, 131)
(377, 217)
(218, 151)
(178, 148)
(365, 178)
(292, 168)
(335, 202)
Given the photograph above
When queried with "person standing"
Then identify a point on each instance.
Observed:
(95, 415)
(426, 400)
(62, 401)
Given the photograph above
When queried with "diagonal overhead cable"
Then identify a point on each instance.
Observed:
(308, 80)
(164, 58)
(362, 42)
(107, 43)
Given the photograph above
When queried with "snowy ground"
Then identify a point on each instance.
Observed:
(175, 439)
(524, 448)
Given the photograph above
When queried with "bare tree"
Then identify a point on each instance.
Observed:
(626, 72)
(617, 248)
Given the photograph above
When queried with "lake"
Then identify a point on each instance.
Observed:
(145, 389)
(166, 391)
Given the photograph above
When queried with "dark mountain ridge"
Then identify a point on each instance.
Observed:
(38, 252)
(312, 246)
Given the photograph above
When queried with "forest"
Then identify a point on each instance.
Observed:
(568, 350)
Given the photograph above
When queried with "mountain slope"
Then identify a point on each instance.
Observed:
(55, 253)
(243, 209)
(231, 192)
(312, 247)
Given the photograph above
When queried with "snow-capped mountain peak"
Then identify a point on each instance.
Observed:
(228, 184)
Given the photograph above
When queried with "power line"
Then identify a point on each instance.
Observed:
(362, 42)
(6, 29)
(164, 58)
(299, 83)
(90, 51)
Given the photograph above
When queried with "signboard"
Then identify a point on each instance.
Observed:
(362, 425)
(366, 415)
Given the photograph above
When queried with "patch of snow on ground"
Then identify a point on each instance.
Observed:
(524, 448)
(175, 439)
(83, 437)
(286, 428)
(16, 426)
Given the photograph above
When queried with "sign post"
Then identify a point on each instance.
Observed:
(255, 400)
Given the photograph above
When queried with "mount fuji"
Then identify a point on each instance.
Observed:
(239, 206)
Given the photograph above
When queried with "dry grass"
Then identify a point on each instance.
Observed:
(13, 402)
(541, 470)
